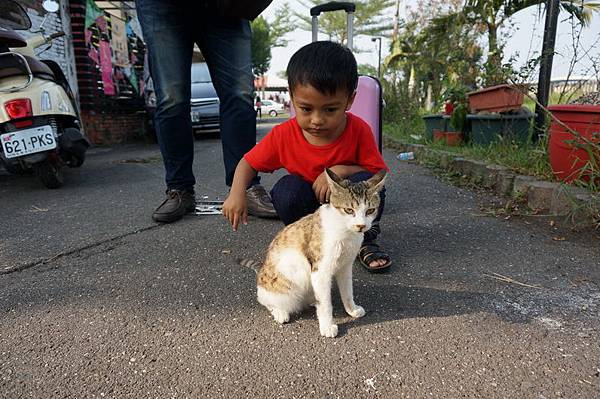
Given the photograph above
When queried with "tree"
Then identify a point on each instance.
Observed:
(267, 35)
(261, 49)
(371, 18)
(490, 15)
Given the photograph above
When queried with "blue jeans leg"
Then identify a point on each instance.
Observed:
(225, 44)
(293, 198)
(169, 41)
(170, 30)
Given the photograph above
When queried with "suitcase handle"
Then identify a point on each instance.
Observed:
(349, 7)
(332, 6)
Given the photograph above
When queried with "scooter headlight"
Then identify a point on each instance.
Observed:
(46, 103)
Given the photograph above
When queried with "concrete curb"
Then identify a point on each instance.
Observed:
(581, 206)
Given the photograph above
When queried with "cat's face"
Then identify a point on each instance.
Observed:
(357, 203)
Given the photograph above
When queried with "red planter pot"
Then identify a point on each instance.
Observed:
(451, 139)
(566, 159)
(499, 98)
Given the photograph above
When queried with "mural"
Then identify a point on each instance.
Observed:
(113, 46)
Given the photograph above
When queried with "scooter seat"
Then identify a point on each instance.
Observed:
(12, 39)
(11, 66)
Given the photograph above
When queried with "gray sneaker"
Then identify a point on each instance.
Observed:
(177, 204)
(259, 202)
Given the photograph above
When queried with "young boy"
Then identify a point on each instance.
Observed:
(322, 78)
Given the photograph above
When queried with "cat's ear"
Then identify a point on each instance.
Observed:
(376, 182)
(333, 180)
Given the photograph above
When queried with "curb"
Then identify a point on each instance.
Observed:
(579, 205)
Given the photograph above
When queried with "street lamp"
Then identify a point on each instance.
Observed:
(373, 39)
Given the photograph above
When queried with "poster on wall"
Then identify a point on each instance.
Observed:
(112, 45)
(118, 42)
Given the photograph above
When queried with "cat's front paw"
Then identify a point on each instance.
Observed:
(329, 331)
(358, 311)
(280, 316)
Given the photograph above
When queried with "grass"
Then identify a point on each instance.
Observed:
(522, 159)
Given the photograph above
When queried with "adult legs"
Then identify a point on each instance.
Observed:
(225, 44)
(169, 41)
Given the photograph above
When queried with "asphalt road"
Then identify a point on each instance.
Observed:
(96, 300)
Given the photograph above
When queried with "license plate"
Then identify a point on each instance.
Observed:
(195, 116)
(28, 141)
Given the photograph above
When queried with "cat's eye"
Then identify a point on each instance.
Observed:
(349, 211)
(370, 211)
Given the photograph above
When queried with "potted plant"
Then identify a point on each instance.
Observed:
(458, 122)
(500, 98)
(454, 135)
(453, 95)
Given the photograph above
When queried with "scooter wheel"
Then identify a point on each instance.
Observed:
(49, 173)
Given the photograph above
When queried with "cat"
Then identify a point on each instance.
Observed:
(305, 257)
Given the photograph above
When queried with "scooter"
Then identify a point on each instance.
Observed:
(40, 128)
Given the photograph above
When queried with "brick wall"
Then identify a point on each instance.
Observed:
(106, 129)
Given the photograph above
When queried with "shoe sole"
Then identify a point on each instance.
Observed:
(263, 215)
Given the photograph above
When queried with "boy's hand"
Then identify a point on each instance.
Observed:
(321, 188)
(235, 209)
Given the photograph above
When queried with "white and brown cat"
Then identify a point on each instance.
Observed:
(307, 255)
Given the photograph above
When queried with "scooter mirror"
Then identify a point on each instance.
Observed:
(50, 5)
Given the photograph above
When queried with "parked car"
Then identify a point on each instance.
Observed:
(271, 107)
(205, 103)
(204, 112)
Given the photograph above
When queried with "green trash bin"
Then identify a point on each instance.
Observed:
(439, 121)
(488, 128)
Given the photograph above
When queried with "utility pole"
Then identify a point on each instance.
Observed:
(543, 90)
(374, 39)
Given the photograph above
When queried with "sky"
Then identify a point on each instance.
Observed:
(525, 39)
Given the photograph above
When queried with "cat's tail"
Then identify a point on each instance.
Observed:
(249, 263)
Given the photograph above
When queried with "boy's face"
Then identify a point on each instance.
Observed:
(322, 117)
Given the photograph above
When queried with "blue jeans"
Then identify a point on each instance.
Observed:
(294, 198)
(170, 29)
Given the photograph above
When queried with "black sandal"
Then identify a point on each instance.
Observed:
(370, 251)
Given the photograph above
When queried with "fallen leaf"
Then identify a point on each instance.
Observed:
(552, 223)
(558, 238)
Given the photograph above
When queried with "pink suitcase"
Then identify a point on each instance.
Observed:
(369, 100)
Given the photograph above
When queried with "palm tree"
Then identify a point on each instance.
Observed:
(490, 15)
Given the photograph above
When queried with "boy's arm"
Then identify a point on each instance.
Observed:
(235, 208)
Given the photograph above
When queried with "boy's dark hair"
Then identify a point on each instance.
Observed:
(326, 66)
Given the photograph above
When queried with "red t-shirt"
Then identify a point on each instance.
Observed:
(286, 147)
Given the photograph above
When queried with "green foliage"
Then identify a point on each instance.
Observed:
(370, 19)
(261, 48)
(367, 69)
(458, 119)
(402, 114)
(441, 54)
(267, 35)
(455, 93)
(489, 16)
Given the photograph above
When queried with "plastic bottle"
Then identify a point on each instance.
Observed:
(406, 156)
